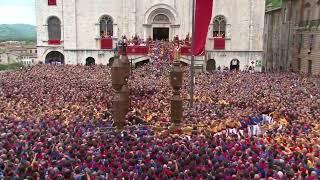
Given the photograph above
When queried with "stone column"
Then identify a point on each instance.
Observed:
(97, 28)
(115, 30)
(146, 31)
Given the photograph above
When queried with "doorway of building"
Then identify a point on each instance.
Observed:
(90, 61)
(160, 33)
(235, 65)
(54, 57)
(211, 65)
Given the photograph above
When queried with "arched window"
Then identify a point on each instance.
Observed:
(54, 28)
(161, 18)
(219, 26)
(307, 12)
(106, 26)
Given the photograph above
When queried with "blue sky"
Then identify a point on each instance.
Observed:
(17, 11)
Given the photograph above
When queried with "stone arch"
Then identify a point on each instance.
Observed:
(184, 63)
(142, 63)
(220, 16)
(211, 65)
(161, 18)
(161, 9)
(161, 30)
(102, 16)
(90, 61)
(54, 57)
(48, 50)
(235, 64)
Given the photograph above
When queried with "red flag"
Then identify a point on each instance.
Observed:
(203, 14)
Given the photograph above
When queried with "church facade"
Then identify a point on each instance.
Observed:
(70, 31)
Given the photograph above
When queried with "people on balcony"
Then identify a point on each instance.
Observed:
(187, 40)
(103, 34)
(137, 41)
(149, 40)
(219, 34)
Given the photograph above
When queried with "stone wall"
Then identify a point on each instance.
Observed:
(80, 24)
(287, 37)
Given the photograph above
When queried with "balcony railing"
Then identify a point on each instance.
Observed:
(219, 43)
(136, 50)
(54, 42)
(106, 43)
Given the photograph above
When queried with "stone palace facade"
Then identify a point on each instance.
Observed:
(70, 31)
(295, 47)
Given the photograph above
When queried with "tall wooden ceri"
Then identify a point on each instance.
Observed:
(120, 72)
(124, 60)
(176, 77)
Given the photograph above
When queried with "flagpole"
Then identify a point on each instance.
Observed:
(192, 57)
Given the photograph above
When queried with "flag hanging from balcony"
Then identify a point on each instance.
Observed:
(203, 14)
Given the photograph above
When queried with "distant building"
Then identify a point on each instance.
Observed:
(8, 58)
(12, 42)
(292, 35)
(14, 52)
(72, 31)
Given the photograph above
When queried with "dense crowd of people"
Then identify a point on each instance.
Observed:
(56, 123)
(160, 51)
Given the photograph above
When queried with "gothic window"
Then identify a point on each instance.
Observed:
(219, 26)
(54, 28)
(106, 26)
(161, 18)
